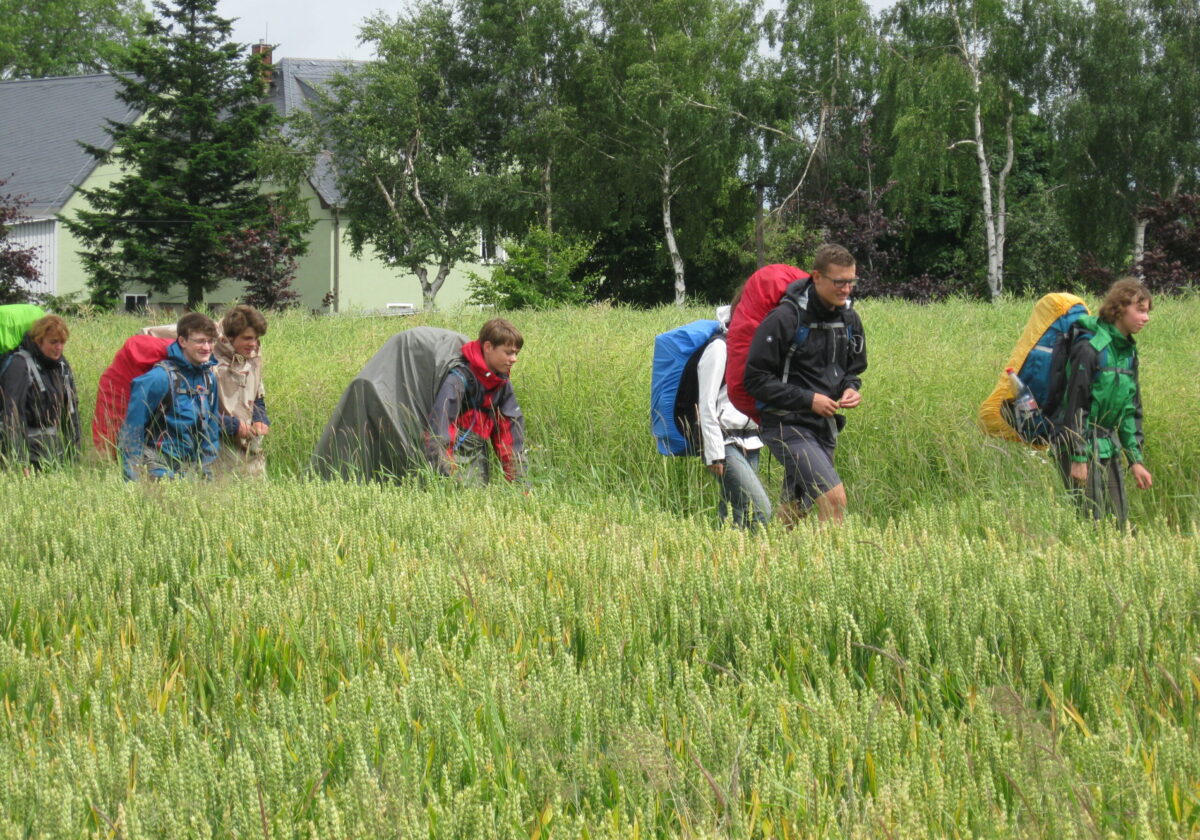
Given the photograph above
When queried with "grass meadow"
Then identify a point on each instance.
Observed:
(595, 657)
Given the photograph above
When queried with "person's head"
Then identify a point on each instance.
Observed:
(196, 334)
(50, 334)
(500, 342)
(1126, 305)
(242, 327)
(834, 274)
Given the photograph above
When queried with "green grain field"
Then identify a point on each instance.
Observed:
(594, 657)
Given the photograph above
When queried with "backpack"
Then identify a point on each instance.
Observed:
(675, 387)
(377, 431)
(1040, 360)
(763, 291)
(137, 356)
(15, 321)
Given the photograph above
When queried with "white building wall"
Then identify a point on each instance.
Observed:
(41, 235)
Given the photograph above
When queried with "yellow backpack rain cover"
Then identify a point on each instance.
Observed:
(1045, 312)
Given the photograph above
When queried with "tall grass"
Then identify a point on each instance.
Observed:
(594, 657)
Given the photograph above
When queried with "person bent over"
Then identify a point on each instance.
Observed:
(241, 396)
(39, 404)
(171, 428)
(730, 441)
(804, 364)
(476, 404)
(1102, 404)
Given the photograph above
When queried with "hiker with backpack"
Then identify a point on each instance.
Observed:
(39, 403)
(475, 404)
(241, 398)
(803, 366)
(730, 440)
(171, 427)
(1101, 410)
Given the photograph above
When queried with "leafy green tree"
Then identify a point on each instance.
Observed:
(821, 87)
(961, 76)
(665, 77)
(192, 164)
(523, 58)
(404, 136)
(66, 37)
(1130, 129)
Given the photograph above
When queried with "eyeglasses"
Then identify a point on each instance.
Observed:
(845, 284)
(200, 342)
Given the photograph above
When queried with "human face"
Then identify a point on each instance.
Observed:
(1133, 317)
(500, 357)
(245, 343)
(197, 348)
(52, 346)
(835, 284)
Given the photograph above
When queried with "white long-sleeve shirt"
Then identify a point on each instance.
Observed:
(720, 421)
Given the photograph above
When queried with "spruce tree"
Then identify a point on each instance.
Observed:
(190, 173)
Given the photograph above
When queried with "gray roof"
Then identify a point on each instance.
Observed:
(41, 124)
(297, 84)
(42, 120)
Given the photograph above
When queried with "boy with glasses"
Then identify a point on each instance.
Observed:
(171, 428)
(804, 364)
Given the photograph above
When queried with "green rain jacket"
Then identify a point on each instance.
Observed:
(1103, 403)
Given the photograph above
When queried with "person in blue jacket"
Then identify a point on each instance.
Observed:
(171, 428)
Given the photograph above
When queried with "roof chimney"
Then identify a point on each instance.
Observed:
(268, 70)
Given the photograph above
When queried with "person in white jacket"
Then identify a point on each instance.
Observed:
(729, 439)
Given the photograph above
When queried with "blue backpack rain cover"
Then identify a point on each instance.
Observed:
(673, 421)
(1044, 373)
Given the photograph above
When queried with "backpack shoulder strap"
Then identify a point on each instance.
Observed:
(31, 366)
(473, 389)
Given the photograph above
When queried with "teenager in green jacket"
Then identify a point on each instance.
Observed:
(1103, 404)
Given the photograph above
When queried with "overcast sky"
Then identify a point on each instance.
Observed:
(317, 28)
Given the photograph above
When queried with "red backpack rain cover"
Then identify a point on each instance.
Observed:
(761, 294)
(137, 355)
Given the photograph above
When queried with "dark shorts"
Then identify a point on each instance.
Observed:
(807, 460)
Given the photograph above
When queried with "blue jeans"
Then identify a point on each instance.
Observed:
(741, 489)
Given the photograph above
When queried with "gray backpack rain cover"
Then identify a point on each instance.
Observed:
(378, 429)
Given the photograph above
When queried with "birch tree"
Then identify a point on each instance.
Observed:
(963, 71)
(665, 76)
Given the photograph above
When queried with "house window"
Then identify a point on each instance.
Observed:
(490, 249)
(136, 303)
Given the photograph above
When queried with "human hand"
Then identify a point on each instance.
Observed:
(1141, 477)
(260, 429)
(850, 399)
(1079, 471)
(244, 431)
(717, 469)
(824, 406)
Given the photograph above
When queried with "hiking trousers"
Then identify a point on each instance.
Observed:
(1103, 494)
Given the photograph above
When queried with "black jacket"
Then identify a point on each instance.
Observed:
(831, 360)
(39, 415)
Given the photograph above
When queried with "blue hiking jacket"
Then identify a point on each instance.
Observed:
(183, 428)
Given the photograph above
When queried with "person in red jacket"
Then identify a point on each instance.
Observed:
(476, 404)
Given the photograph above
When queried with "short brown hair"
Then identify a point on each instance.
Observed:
(500, 332)
(831, 254)
(241, 318)
(48, 327)
(195, 322)
(1120, 294)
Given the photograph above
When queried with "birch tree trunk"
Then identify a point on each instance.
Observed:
(1139, 245)
(669, 229)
